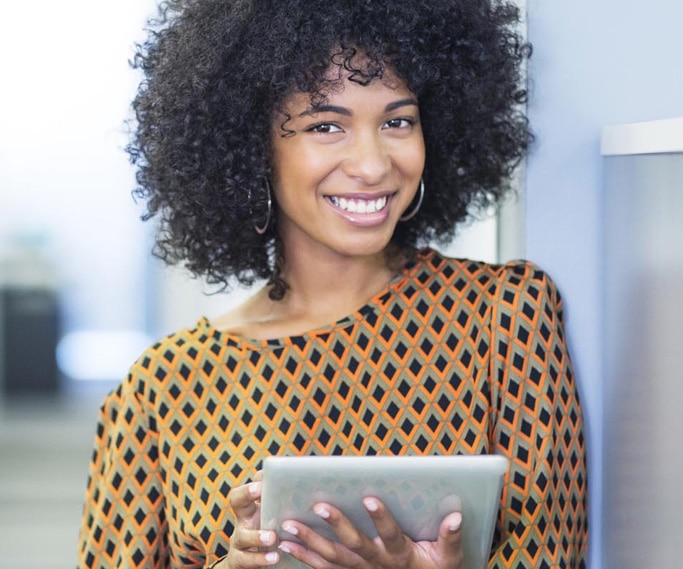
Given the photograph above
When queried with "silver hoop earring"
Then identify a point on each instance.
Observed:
(406, 217)
(261, 229)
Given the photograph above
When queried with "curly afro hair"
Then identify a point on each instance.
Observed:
(216, 70)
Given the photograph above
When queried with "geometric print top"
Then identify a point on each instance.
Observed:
(453, 357)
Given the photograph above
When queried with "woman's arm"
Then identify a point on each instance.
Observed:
(124, 524)
(539, 427)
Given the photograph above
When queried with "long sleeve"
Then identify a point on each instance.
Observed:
(124, 524)
(538, 426)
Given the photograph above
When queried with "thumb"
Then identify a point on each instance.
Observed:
(449, 542)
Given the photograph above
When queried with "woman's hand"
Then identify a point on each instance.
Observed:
(248, 540)
(390, 549)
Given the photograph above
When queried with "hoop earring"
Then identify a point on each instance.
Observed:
(406, 217)
(261, 229)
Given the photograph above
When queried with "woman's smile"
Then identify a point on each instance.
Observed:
(359, 205)
(362, 211)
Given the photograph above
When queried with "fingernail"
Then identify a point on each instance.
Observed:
(272, 557)
(290, 529)
(322, 511)
(266, 537)
(371, 505)
(284, 547)
(455, 522)
(254, 488)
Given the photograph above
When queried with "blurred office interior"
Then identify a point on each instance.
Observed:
(80, 296)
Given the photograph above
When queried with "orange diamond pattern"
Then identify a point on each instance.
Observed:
(455, 357)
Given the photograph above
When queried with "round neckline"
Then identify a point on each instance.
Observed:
(359, 314)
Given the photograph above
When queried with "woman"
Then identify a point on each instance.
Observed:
(317, 145)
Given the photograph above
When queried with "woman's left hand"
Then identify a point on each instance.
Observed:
(390, 549)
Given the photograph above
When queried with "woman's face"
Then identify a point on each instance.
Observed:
(350, 169)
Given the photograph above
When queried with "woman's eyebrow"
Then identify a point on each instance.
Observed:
(402, 103)
(346, 112)
(326, 109)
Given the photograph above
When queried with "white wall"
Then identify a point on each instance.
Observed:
(65, 181)
(594, 64)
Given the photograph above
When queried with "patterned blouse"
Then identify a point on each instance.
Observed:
(453, 357)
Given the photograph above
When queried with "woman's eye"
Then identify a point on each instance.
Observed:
(324, 128)
(399, 123)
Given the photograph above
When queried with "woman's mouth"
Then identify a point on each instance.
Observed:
(356, 205)
(362, 211)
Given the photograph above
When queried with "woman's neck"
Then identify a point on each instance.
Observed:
(321, 291)
(320, 282)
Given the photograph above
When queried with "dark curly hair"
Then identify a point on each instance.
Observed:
(216, 70)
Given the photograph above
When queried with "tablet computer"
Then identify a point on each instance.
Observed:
(418, 491)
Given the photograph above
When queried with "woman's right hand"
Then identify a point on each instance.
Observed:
(353, 549)
(248, 540)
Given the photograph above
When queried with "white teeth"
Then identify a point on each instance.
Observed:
(359, 206)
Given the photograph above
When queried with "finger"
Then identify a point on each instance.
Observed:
(247, 549)
(348, 534)
(316, 550)
(251, 559)
(244, 539)
(388, 531)
(308, 539)
(243, 499)
(449, 542)
(301, 553)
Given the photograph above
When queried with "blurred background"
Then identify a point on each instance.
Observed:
(80, 295)
(76, 290)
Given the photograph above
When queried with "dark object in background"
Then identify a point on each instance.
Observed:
(29, 327)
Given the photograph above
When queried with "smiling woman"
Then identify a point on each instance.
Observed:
(319, 144)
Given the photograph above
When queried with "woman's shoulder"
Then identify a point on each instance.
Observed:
(514, 284)
(187, 341)
(177, 354)
(164, 373)
(430, 263)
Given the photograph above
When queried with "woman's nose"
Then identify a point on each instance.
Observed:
(367, 159)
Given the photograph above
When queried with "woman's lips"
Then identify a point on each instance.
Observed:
(362, 211)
